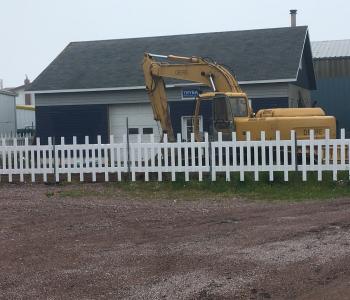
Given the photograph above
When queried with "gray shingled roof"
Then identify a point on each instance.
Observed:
(263, 54)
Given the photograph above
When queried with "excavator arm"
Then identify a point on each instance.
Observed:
(195, 69)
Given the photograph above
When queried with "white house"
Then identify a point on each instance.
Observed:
(25, 106)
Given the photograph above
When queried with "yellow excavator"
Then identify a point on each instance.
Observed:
(230, 105)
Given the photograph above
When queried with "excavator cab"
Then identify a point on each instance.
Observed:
(225, 108)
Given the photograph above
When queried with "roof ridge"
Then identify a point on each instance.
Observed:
(187, 34)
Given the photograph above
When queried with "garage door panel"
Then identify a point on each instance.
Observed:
(139, 116)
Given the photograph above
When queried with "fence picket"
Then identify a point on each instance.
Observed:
(319, 161)
(99, 154)
(213, 161)
(173, 165)
(256, 161)
(69, 165)
(241, 163)
(335, 161)
(342, 146)
(166, 158)
(193, 152)
(32, 164)
(271, 162)
(159, 161)
(81, 164)
(263, 150)
(179, 151)
(249, 150)
(146, 163)
(187, 176)
(200, 162)
(9, 163)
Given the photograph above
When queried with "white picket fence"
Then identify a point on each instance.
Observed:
(62, 161)
(9, 139)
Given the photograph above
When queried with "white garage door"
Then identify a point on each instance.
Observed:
(141, 121)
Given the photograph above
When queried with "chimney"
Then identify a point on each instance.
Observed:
(293, 17)
(1, 84)
(26, 81)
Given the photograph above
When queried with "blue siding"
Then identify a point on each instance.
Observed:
(72, 120)
(187, 108)
(276, 102)
(333, 95)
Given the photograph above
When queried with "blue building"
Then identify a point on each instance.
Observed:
(332, 69)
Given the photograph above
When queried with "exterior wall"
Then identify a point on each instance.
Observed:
(299, 97)
(25, 117)
(7, 114)
(68, 121)
(58, 112)
(333, 89)
(333, 95)
(332, 67)
(138, 96)
(20, 98)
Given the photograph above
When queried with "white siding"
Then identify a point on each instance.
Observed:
(20, 98)
(7, 114)
(267, 90)
(139, 96)
(140, 116)
(107, 97)
(25, 118)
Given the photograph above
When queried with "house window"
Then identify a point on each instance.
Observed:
(187, 126)
(147, 130)
(28, 99)
(133, 131)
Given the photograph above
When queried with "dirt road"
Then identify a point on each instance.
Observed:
(93, 247)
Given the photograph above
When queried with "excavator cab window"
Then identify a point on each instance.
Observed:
(225, 109)
(221, 113)
(238, 106)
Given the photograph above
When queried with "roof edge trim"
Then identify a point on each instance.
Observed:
(140, 87)
(302, 53)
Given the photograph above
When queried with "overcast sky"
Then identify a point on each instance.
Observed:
(34, 32)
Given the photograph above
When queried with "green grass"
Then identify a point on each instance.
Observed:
(293, 190)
